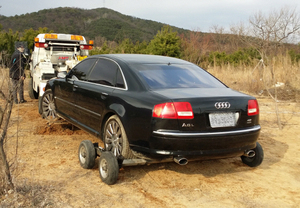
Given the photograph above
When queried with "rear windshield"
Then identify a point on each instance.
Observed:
(159, 76)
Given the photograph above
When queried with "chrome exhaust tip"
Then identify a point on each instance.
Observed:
(180, 160)
(249, 153)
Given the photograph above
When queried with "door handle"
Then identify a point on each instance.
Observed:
(103, 95)
(75, 87)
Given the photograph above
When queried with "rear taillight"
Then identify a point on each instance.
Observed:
(41, 45)
(253, 108)
(86, 47)
(173, 110)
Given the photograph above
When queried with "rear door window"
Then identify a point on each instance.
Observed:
(107, 72)
(120, 81)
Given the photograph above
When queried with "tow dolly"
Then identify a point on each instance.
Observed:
(109, 164)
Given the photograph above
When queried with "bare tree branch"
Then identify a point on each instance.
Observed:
(266, 33)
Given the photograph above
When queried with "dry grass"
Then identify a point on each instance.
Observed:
(28, 194)
(255, 80)
(252, 80)
(25, 194)
(4, 81)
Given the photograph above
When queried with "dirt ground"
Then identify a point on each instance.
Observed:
(48, 169)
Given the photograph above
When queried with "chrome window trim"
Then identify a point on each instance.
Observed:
(99, 84)
(223, 133)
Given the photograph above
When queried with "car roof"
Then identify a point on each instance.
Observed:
(143, 59)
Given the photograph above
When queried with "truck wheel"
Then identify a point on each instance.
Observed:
(48, 106)
(86, 154)
(108, 168)
(32, 94)
(257, 159)
(115, 139)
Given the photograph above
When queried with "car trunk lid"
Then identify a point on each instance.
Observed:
(214, 109)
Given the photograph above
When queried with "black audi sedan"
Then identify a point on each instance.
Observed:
(155, 107)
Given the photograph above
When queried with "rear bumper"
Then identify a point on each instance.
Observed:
(207, 134)
(204, 144)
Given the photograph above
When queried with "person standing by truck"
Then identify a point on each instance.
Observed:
(17, 73)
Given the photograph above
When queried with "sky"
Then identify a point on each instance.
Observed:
(196, 15)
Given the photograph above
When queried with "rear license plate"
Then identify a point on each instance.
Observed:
(222, 119)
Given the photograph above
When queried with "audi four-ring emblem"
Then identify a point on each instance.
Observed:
(222, 105)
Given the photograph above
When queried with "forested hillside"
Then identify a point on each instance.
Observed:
(93, 23)
(264, 38)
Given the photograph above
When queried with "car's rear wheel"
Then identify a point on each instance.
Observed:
(115, 139)
(48, 106)
(86, 154)
(257, 159)
(108, 168)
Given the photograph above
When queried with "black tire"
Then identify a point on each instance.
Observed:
(86, 154)
(40, 105)
(32, 94)
(108, 168)
(48, 106)
(115, 139)
(255, 160)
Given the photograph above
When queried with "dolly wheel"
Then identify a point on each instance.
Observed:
(108, 168)
(86, 154)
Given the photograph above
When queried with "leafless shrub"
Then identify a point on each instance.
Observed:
(28, 194)
(6, 103)
(267, 33)
(14, 193)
